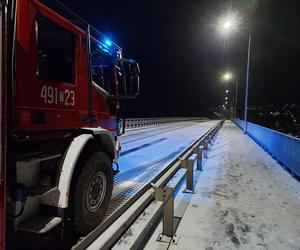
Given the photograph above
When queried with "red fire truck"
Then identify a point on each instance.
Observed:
(61, 85)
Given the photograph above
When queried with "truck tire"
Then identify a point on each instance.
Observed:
(90, 193)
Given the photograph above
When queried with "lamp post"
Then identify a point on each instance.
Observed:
(236, 91)
(228, 25)
(247, 86)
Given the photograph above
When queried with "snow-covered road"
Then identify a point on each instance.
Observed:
(147, 151)
(150, 145)
(243, 200)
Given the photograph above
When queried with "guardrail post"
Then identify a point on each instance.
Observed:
(205, 147)
(189, 165)
(199, 152)
(165, 194)
(212, 138)
(216, 133)
(199, 159)
(209, 138)
(168, 229)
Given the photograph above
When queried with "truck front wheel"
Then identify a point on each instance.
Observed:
(90, 193)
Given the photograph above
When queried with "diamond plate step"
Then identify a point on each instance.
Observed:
(40, 224)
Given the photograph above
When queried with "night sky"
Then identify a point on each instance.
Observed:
(182, 56)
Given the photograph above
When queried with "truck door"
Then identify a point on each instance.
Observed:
(51, 81)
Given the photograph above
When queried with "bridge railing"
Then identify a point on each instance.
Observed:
(284, 148)
(132, 123)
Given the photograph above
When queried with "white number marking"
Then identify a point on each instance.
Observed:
(61, 96)
(52, 95)
(43, 93)
(72, 93)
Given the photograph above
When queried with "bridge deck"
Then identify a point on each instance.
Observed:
(243, 199)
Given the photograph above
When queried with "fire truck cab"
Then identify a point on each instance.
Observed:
(64, 82)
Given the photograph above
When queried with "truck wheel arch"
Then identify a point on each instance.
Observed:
(102, 138)
(106, 143)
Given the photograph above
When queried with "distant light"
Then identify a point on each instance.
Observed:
(228, 24)
(227, 76)
(226, 102)
(226, 98)
(108, 42)
(227, 90)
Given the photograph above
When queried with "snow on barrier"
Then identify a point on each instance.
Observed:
(132, 123)
(284, 148)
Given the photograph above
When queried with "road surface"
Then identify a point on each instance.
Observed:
(147, 151)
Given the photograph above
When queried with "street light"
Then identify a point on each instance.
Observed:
(227, 76)
(227, 26)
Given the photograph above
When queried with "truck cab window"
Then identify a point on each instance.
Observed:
(103, 68)
(56, 47)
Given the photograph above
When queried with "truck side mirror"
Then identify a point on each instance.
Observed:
(134, 81)
(134, 69)
(98, 71)
(130, 86)
(134, 88)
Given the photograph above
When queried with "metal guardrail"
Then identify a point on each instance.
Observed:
(140, 122)
(161, 189)
(132, 123)
(284, 148)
